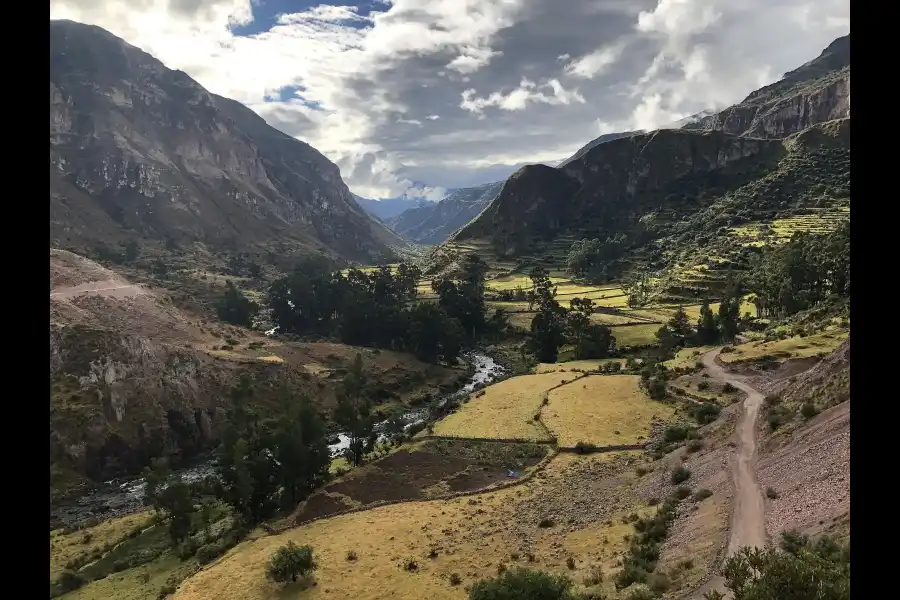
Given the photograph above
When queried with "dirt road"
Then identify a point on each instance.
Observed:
(748, 518)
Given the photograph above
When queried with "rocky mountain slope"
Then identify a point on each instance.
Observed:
(433, 223)
(133, 377)
(593, 144)
(816, 92)
(141, 152)
(386, 209)
(678, 196)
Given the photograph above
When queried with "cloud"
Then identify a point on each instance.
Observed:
(519, 98)
(416, 96)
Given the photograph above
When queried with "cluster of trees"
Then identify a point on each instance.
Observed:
(596, 259)
(380, 308)
(803, 273)
(235, 308)
(554, 326)
(710, 328)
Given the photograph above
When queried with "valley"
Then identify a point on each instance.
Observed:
(609, 379)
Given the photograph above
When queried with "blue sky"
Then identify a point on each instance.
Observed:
(416, 97)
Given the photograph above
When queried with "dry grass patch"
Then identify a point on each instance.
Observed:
(577, 365)
(604, 410)
(792, 347)
(469, 536)
(506, 410)
(687, 358)
(65, 547)
(635, 335)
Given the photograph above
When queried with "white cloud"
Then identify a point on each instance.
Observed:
(471, 59)
(547, 72)
(519, 98)
(595, 63)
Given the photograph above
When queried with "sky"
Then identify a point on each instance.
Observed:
(415, 97)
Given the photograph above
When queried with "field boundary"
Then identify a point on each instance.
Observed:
(451, 438)
(602, 449)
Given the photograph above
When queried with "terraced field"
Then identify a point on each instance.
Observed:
(604, 410)
(780, 350)
(505, 410)
(575, 366)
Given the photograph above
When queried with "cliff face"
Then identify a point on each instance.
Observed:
(435, 222)
(816, 92)
(608, 189)
(139, 151)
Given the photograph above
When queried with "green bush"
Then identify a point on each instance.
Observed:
(290, 562)
(70, 581)
(682, 492)
(585, 448)
(701, 495)
(694, 446)
(522, 584)
(808, 410)
(680, 475)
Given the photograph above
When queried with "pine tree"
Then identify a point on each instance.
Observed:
(707, 332)
(353, 413)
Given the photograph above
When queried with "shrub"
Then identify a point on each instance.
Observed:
(703, 385)
(570, 563)
(209, 552)
(546, 522)
(695, 446)
(187, 549)
(680, 475)
(289, 562)
(522, 583)
(455, 579)
(595, 577)
(701, 495)
(165, 592)
(585, 448)
(808, 410)
(675, 433)
(682, 492)
(659, 582)
(771, 493)
(411, 565)
(70, 581)
(351, 555)
(728, 388)
(706, 412)
(641, 471)
(768, 573)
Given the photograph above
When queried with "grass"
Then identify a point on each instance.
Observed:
(792, 347)
(577, 365)
(687, 358)
(65, 547)
(139, 583)
(603, 410)
(635, 335)
(506, 410)
(386, 538)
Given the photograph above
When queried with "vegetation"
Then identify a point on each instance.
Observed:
(290, 562)
(522, 584)
(644, 551)
(234, 308)
(597, 260)
(354, 414)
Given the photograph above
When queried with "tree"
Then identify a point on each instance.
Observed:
(522, 584)
(676, 331)
(154, 478)
(707, 332)
(462, 297)
(131, 251)
(433, 334)
(234, 308)
(590, 340)
(548, 325)
(300, 448)
(729, 312)
(178, 504)
(353, 413)
(290, 562)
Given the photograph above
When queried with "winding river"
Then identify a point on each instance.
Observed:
(118, 497)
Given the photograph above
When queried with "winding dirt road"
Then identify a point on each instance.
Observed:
(748, 517)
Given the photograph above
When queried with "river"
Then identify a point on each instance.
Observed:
(121, 497)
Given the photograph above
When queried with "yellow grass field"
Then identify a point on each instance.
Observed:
(576, 365)
(470, 540)
(506, 410)
(593, 409)
(136, 584)
(67, 546)
(635, 335)
(792, 347)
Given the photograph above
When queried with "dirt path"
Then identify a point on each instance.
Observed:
(748, 518)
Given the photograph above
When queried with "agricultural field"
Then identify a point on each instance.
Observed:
(506, 410)
(468, 536)
(603, 410)
(780, 350)
(423, 470)
(635, 335)
(577, 365)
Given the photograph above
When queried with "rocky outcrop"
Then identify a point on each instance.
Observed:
(814, 93)
(139, 151)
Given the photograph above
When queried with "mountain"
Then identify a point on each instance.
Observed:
(675, 197)
(608, 137)
(141, 152)
(690, 120)
(817, 91)
(433, 223)
(388, 208)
